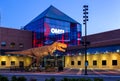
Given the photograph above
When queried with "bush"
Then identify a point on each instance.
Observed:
(33, 79)
(51, 79)
(98, 79)
(65, 79)
(14, 78)
(88, 80)
(82, 79)
(2, 78)
(75, 79)
(46, 80)
(21, 79)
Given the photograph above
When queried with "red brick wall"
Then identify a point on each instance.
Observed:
(105, 38)
(101, 39)
(17, 36)
(110, 35)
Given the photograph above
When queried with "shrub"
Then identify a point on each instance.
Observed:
(21, 79)
(52, 79)
(14, 78)
(88, 80)
(46, 79)
(33, 79)
(65, 79)
(98, 79)
(82, 79)
(73, 79)
(2, 78)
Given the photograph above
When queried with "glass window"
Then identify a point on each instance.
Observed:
(79, 62)
(72, 62)
(104, 62)
(86, 63)
(12, 63)
(12, 44)
(114, 62)
(3, 63)
(3, 44)
(104, 49)
(21, 45)
(94, 62)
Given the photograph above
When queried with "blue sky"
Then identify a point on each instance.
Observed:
(104, 15)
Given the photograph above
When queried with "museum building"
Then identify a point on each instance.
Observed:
(52, 25)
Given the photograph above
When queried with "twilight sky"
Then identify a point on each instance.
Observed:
(104, 15)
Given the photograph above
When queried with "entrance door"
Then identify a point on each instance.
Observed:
(21, 64)
(59, 63)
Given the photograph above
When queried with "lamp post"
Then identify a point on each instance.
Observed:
(85, 43)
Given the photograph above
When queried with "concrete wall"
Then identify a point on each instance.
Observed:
(27, 60)
(98, 57)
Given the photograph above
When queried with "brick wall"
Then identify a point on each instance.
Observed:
(16, 36)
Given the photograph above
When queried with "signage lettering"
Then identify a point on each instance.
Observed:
(57, 31)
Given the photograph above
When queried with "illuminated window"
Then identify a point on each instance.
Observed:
(21, 45)
(79, 62)
(12, 63)
(114, 62)
(88, 53)
(12, 44)
(86, 63)
(21, 64)
(79, 53)
(104, 62)
(72, 62)
(106, 52)
(3, 44)
(3, 63)
(94, 62)
(117, 50)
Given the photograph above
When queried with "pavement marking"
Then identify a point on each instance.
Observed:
(98, 73)
(63, 71)
(80, 72)
(113, 72)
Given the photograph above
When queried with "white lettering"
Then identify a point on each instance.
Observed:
(57, 31)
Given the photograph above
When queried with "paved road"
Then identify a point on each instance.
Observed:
(91, 72)
(107, 75)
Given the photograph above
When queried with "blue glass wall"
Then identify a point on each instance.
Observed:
(48, 30)
(95, 50)
(38, 32)
(66, 32)
(104, 49)
(56, 30)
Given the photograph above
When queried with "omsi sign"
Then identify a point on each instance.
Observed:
(57, 31)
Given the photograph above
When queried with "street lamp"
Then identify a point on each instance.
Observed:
(85, 43)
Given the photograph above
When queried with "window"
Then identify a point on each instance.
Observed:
(94, 62)
(12, 44)
(3, 63)
(12, 63)
(72, 62)
(3, 44)
(21, 45)
(114, 62)
(79, 62)
(104, 62)
(86, 63)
